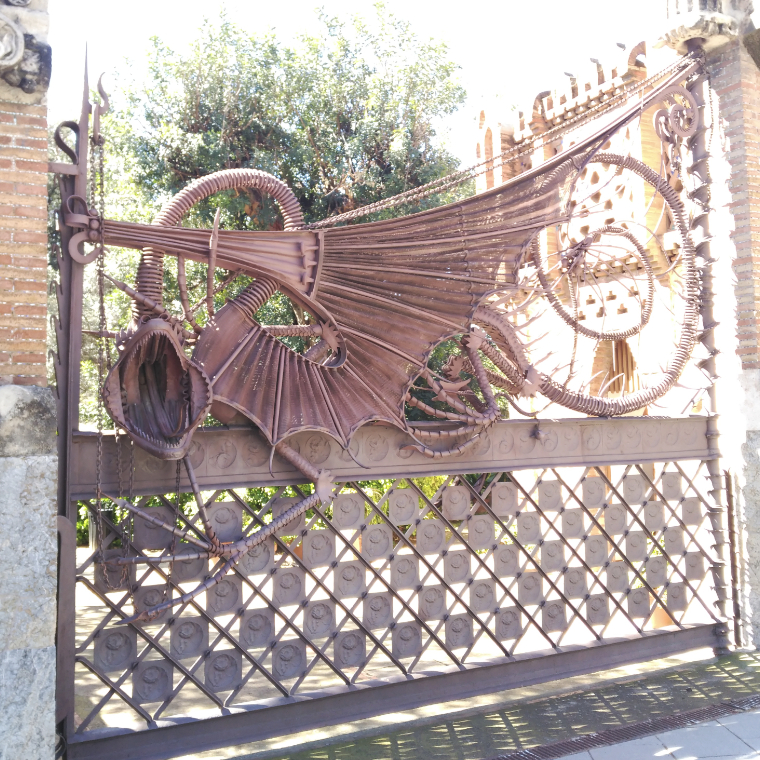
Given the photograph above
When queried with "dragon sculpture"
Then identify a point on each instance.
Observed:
(381, 297)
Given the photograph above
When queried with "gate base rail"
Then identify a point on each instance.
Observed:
(272, 718)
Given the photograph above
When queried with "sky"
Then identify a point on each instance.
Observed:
(508, 51)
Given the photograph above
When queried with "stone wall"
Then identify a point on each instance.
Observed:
(28, 572)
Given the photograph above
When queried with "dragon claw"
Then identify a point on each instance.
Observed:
(140, 617)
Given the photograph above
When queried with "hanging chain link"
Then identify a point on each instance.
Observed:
(94, 150)
(173, 549)
(117, 436)
(97, 204)
(131, 469)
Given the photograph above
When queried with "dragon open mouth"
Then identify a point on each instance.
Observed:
(156, 393)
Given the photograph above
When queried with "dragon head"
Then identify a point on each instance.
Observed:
(155, 392)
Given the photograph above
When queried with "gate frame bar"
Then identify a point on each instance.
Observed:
(273, 718)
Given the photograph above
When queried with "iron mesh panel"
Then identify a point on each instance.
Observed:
(512, 564)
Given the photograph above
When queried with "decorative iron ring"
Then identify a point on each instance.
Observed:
(681, 120)
(568, 318)
(597, 406)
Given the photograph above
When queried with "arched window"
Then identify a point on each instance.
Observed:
(615, 367)
(488, 145)
(624, 365)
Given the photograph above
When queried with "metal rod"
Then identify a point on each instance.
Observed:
(733, 543)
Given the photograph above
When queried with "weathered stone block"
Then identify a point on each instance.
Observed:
(27, 694)
(28, 550)
(27, 421)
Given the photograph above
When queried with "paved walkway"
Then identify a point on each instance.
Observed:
(737, 736)
(498, 725)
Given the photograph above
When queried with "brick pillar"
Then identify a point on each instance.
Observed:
(735, 80)
(727, 35)
(23, 243)
(25, 61)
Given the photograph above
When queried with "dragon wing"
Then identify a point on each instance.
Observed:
(395, 289)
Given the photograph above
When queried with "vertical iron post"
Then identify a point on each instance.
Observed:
(733, 542)
(700, 169)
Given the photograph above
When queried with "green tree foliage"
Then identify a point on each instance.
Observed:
(345, 117)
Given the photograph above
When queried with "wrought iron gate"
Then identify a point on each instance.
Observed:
(547, 548)
(417, 585)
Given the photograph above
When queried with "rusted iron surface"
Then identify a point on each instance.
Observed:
(391, 291)
(395, 290)
(239, 456)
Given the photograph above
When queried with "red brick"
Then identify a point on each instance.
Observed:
(27, 108)
(30, 142)
(24, 334)
(26, 310)
(29, 285)
(24, 189)
(40, 380)
(31, 166)
(30, 237)
(32, 121)
(25, 261)
(28, 358)
(31, 211)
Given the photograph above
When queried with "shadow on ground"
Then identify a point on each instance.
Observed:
(487, 734)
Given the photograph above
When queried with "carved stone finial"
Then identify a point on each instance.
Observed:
(25, 60)
(714, 21)
(32, 72)
(11, 43)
